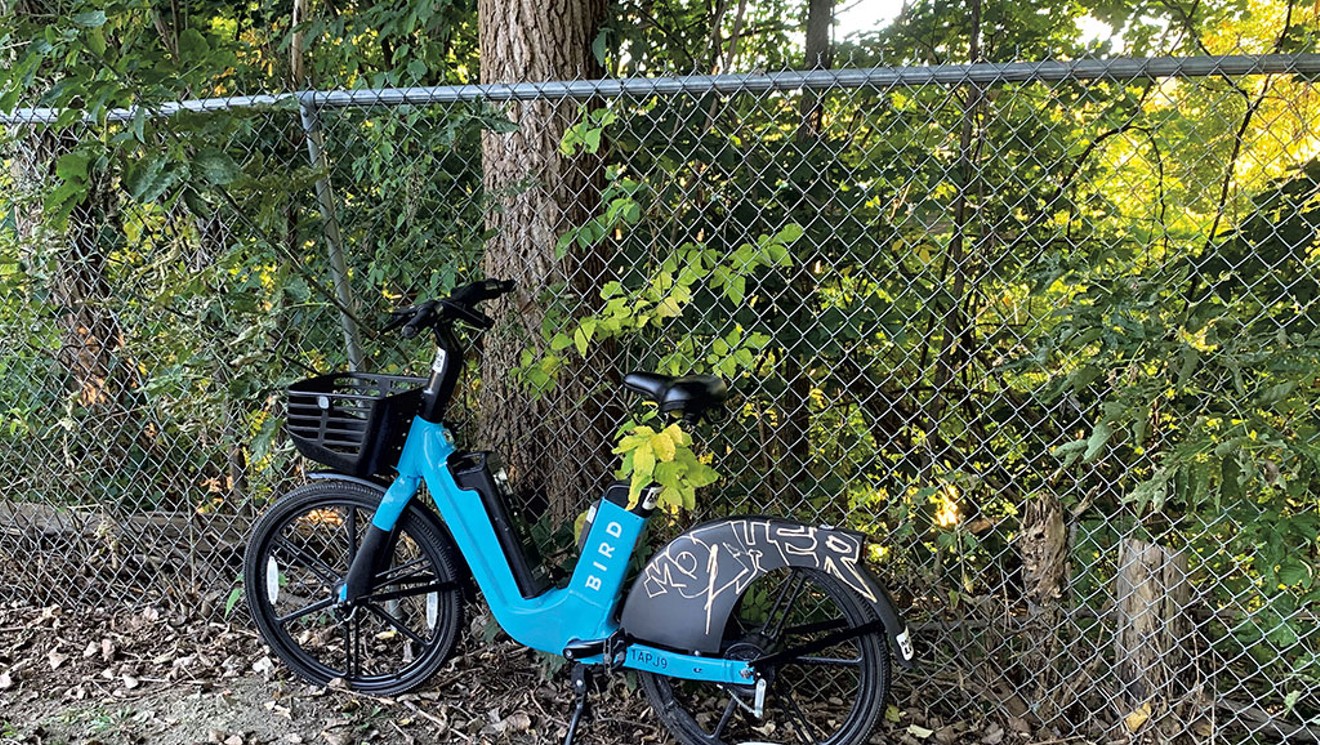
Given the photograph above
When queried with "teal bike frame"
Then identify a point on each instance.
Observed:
(579, 615)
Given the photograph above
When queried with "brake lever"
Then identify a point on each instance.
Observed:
(413, 319)
(469, 315)
(398, 318)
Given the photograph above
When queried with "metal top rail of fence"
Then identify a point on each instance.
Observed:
(981, 73)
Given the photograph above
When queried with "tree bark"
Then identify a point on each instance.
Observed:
(554, 445)
(91, 350)
(795, 430)
(956, 343)
(1151, 593)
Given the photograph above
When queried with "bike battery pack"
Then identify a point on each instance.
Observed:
(480, 471)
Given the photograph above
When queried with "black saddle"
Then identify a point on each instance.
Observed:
(691, 395)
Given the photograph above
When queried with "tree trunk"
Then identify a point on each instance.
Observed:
(820, 56)
(795, 431)
(1042, 543)
(92, 341)
(554, 445)
(1151, 593)
(957, 344)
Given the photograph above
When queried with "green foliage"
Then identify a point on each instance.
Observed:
(663, 295)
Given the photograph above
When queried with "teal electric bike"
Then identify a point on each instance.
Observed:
(745, 629)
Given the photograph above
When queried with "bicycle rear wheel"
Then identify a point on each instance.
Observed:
(396, 636)
(832, 696)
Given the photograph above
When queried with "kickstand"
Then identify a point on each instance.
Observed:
(581, 683)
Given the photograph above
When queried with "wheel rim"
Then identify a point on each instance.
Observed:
(383, 640)
(828, 697)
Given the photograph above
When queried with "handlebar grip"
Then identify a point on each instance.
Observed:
(477, 292)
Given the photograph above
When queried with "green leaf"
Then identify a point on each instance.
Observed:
(565, 242)
(96, 42)
(63, 198)
(90, 18)
(1103, 431)
(193, 46)
(72, 166)
(216, 167)
(140, 124)
(736, 289)
(1295, 573)
(663, 446)
(789, 233)
(149, 178)
(234, 596)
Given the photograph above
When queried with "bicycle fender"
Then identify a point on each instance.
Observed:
(687, 591)
(377, 484)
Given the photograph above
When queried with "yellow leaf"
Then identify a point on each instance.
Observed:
(917, 730)
(1138, 717)
(643, 461)
(663, 447)
(668, 308)
(676, 433)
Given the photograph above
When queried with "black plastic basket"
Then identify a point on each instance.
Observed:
(353, 422)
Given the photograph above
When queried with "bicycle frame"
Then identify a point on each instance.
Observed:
(579, 614)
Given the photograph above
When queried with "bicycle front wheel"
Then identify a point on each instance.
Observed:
(396, 636)
(832, 696)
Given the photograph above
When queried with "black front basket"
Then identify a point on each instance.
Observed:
(353, 422)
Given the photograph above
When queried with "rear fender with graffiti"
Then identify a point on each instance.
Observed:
(684, 595)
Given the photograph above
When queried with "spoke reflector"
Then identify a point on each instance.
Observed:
(272, 580)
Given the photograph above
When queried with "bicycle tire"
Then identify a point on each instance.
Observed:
(404, 628)
(800, 707)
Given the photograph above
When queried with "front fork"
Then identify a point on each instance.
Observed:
(373, 553)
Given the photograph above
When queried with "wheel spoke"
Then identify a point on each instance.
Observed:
(409, 592)
(396, 623)
(305, 610)
(788, 594)
(350, 526)
(312, 562)
(816, 627)
(725, 717)
(807, 727)
(394, 575)
(828, 661)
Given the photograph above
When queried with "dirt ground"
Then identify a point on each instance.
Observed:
(143, 676)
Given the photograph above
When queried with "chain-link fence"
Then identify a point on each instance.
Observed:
(1048, 332)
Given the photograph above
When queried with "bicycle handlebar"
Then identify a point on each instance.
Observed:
(460, 305)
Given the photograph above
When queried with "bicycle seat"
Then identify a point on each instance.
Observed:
(691, 395)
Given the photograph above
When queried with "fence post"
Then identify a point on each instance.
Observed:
(311, 124)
